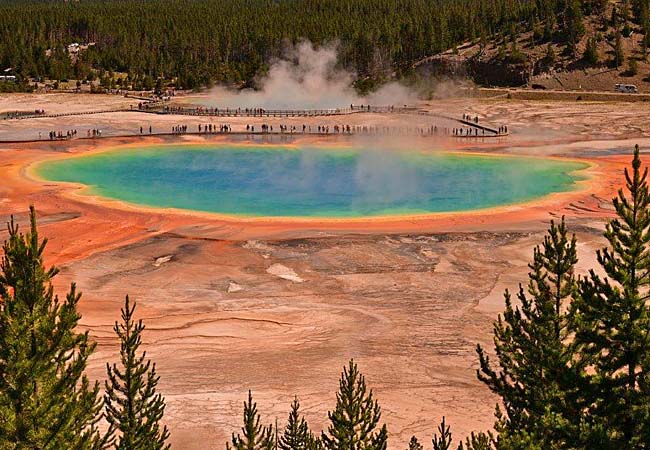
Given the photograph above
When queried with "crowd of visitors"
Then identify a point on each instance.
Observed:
(473, 129)
(55, 135)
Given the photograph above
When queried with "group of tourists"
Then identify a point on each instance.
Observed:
(210, 128)
(433, 130)
(306, 129)
(21, 114)
(474, 131)
(252, 112)
(208, 111)
(263, 112)
(337, 129)
(203, 129)
(70, 134)
(468, 118)
(469, 131)
(368, 108)
(265, 128)
(57, 135)
(179, 129)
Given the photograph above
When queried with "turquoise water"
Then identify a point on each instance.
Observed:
(311, 182)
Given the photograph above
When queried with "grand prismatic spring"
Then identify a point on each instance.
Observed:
(376, 224)
(312, 181)
(266, 261)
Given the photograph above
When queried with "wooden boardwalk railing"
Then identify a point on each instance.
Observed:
(158, 108)
(263, 112)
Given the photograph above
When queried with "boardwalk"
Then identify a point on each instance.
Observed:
(158, 108)
(467, 129)
(263, 112)
(412, 132)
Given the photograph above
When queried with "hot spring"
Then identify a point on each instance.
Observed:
(311, 182)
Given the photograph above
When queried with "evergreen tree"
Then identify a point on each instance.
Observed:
(355, 419)
(536, 364)
(133, 407)
(632, 67)
(619, 55)
(46, 401)
(478, 441)
(168, 38)
(502, 51)
(614, 21)
(254, 436)
(297, 435)
(442, 440)
(591, 51)
(550, 54)
(414, 444)
(574, 27)
(613, 321)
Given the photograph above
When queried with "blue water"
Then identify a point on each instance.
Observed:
(311, 182)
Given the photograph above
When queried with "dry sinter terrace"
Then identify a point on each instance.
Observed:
(266, 260)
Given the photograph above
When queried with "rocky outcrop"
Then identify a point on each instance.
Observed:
(486, 72)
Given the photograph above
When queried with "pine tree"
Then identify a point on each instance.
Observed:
(46, 401)
(614, 319)
(619, 55)
(355, 419)
(478, 441)
(574, 27)
(536, 372)
(591, 51)
(254, 436)
(633, 66)
(297, 435)
(550, 55)
(442, 440)
(414, 444)
(133, 408)
(188, 59)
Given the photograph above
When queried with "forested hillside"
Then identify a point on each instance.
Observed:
(603, 43)
(197, 42)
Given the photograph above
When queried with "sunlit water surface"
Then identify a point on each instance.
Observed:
(312, 182)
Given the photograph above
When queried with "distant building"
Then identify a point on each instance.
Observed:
(73, 50)
(8, 75)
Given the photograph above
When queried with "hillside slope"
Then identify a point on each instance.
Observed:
(610, 46)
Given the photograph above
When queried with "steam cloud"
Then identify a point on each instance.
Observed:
(307, 77)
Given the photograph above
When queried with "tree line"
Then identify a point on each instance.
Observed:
(46, 400)
(572, 367)
(194, 43)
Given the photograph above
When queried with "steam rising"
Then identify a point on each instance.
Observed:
(307, 77)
